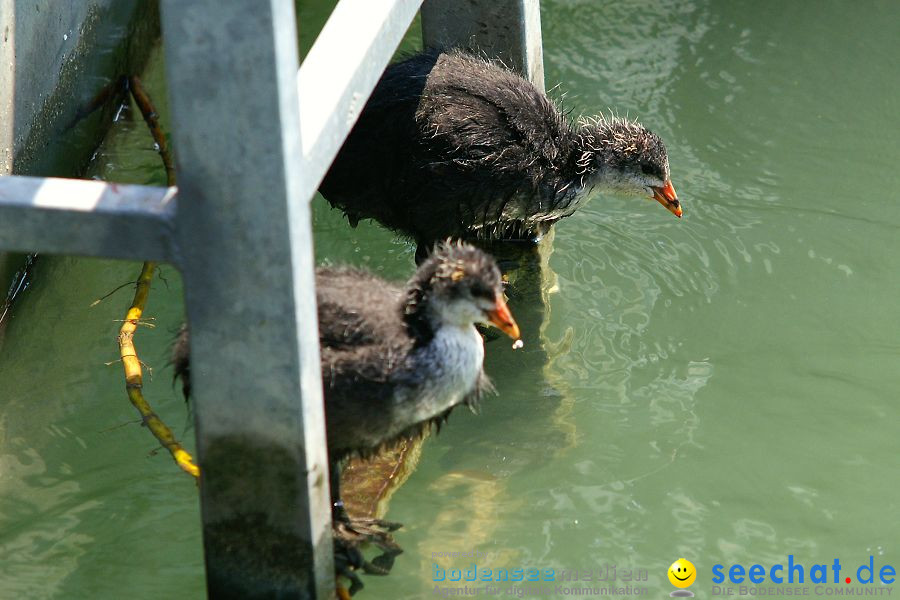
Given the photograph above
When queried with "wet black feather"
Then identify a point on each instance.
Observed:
(451, 144)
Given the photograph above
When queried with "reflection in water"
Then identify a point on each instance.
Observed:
(38, 557)
(87, 506)
(720, 388)
(466, 524)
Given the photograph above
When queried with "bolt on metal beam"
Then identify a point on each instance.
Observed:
(506, 29)
(88, 218)
(243, 224)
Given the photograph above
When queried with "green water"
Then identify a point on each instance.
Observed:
(721, 388)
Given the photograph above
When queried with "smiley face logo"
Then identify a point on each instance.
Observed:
(682, 573)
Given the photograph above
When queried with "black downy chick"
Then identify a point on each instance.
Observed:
(396, 361)
(450, 144)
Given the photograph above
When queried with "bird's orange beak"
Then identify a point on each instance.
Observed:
(666, 196)
(503, 319)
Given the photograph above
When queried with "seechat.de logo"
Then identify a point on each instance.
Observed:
(795, 572)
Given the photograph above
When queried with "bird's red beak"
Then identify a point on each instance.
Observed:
(503, 319)
(666, 196)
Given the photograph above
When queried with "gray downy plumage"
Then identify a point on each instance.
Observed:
(395, 361)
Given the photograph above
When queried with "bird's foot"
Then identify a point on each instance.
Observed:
(355, 533)
(349, 537)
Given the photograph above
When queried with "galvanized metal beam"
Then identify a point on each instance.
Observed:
(244, 225)
(506, 29)
(89, 218)
(340, 72)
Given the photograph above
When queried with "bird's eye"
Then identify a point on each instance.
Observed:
(647, 169)
(481, 291)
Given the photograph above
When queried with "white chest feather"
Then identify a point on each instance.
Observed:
(453, 361)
